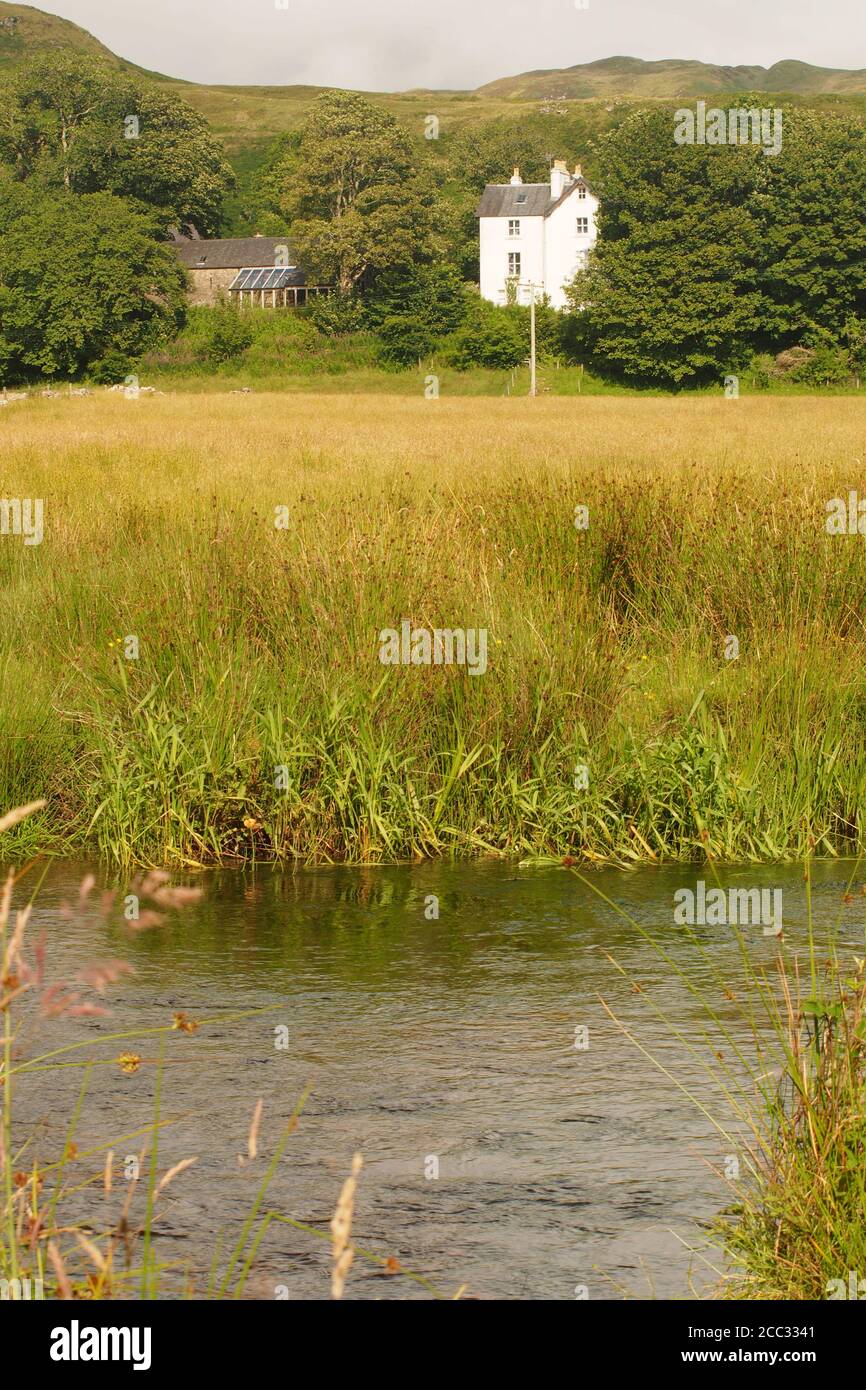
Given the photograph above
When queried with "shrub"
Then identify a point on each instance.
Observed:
(229, 334)
(761, 371)
(493, 338)
(829, 366)
(335, 315)
(433, 295)
(404, 339)
(114, 367)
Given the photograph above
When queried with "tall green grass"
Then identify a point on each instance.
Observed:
(259, 647)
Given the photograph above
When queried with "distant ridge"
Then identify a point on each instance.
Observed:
(673, 77)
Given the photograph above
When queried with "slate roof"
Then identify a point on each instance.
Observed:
(231, 254)
(500, 199)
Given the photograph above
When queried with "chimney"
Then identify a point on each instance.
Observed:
(578, 172)
(515, 177)
(558, 178)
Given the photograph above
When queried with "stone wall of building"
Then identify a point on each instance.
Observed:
(209, 286)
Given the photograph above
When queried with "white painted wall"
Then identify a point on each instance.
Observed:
(565, 245)
(496, 244)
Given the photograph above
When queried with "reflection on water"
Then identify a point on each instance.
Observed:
(450, 1039)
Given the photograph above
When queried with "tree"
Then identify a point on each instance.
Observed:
(68, 121)
(352, 193)
(82, 276)
(172, 164)
(810, 209)
(671, 291)
(487, 153)
(710, 253)
(54, 110)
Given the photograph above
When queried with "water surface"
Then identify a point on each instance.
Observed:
(430, 1044)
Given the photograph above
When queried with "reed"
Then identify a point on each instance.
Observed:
(259, 647)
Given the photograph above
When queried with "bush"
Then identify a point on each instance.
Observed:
(275, 342)
(114, 367)
(335, 315)
(828, 366)
(435, 296)
(404, 340)
(493, 338)
(229, 334)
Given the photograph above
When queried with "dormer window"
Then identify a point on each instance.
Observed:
(514, 226)
(521, 198)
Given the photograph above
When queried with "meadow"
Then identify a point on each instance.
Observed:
(684, 677)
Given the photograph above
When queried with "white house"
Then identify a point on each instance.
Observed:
(535, 233)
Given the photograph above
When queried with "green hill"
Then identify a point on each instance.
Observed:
(672, 78)
(575, 104)
(244, 117)
(24, 30)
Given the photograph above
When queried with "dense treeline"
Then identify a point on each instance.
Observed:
(710, 259)
(95, 168)
(709, 254)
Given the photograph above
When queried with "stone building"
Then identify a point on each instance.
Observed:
(258, 272)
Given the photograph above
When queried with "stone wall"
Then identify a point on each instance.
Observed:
(209, 286)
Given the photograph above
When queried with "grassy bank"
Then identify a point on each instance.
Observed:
(258, 646)
(284, 351)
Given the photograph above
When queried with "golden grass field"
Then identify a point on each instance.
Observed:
(526, 437)
(258, 647)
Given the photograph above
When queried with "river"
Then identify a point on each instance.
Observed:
(504, 1151)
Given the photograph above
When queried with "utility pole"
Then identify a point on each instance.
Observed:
(532, 383)
(532, 287)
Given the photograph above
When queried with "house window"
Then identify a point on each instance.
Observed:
(514, 226)
(514, 265)
(581, 190)
(581, 260)
(582, 226)
(521, 198)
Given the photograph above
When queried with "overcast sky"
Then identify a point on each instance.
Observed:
(391, 45)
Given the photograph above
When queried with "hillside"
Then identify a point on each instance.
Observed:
(575, 105)
(244, 117)
(672, 78)
(24, 29)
